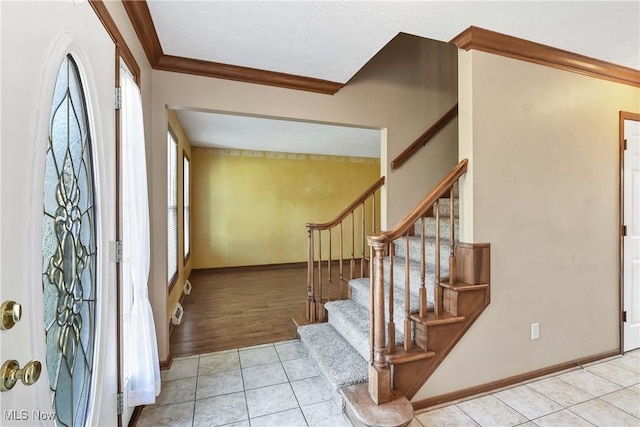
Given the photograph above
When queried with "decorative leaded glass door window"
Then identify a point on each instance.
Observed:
(69, 250)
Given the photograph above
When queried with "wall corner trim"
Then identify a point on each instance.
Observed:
(140, 17)
(476, 38)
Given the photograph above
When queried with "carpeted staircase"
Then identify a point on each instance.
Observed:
(341, 348)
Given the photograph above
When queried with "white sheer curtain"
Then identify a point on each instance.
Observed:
(141, 358)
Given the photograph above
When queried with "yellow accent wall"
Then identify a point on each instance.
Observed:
(251, 207)
(184, 266)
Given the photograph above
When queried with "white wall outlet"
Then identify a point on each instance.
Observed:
(535, 331)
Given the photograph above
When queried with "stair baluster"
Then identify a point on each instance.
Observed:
(392, 325)
(341, 253)
(321, 315)
(373, 213)
(407, 297)
(352, 264)
(437, 290)
(311, 296)
(364, 240)
(452, 255)
(371, 302)
(423, 289)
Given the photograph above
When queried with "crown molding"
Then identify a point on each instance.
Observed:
(140, 17)
(512, 47)
(244, 74)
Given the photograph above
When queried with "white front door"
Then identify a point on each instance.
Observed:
(631, 242)
(35, 39)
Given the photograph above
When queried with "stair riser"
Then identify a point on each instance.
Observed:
(357, 337)
(430, 250)
(344, 355)
(430, 227)
(358, 340)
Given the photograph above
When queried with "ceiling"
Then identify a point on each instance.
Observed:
(205, 129)
(332, 40)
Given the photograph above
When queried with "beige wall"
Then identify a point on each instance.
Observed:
(251, 207)
(542, 188)
(184, 265)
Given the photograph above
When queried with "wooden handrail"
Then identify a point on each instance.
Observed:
(425, 137)
(349, 209)
(440, 190)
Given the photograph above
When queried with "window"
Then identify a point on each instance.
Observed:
(172, 204)
(69, 250)
(187, 207)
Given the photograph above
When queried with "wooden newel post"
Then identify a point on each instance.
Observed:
(311, 304)
(379, 373)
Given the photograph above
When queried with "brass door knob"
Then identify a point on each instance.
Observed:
(11, 313)
(10, 373)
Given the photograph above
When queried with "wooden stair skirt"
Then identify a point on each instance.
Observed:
(462, 304)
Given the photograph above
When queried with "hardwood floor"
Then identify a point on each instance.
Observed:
(239, 308)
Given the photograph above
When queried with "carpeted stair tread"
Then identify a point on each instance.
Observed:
(360, 294)
(351, 321)
(414, 276)
(338, 361)
(445, 208)
(415, 243)
(430, 227)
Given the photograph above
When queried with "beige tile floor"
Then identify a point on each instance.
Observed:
(267, 385)
(277, 385)
(605, 393)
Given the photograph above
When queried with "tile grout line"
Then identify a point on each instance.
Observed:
(606, 379)
(244, 388)
(614, 365)
(292, 390)
(563, 406)
(602, 378)
(294, 394)
(468, 415)
(623, 410)
(512, 408)
(623, 367)
(580, 416)
(591, 400)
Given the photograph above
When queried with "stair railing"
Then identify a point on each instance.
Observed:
(354, 219)
(425, 137)
(382, 339)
